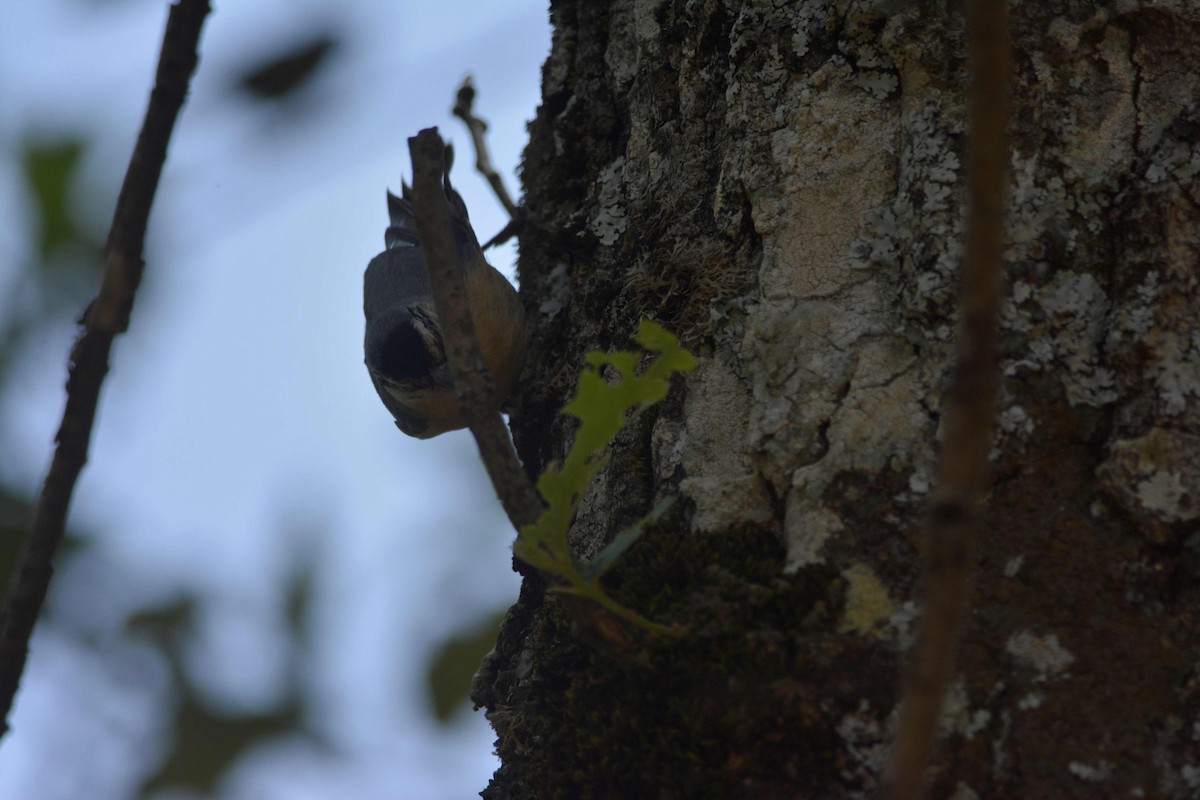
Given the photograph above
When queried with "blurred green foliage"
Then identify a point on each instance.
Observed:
(49, 170)
(208, 740)
(49, 288)
(207, 743)
(455, 662)
(60, 275)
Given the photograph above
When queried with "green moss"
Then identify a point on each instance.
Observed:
(732, 709)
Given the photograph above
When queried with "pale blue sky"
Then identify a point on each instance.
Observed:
(238, 411)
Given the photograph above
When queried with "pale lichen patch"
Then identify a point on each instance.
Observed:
(718, 477)
(1091, 773)
(963, 791)
(1191, 776)
(1156, 479)
(903, 624)
(957, 715)
(1044, 654)
(1031, 700)
(866, 743)
(1067, 328)
(557, 292)
(610, 220)
(807, 530)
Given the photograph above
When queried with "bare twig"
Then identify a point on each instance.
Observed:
(107, 316)
(954, 522)
(464, 109)
(471, 378)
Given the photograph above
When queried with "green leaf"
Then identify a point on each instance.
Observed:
(608, 390)
(672, 357)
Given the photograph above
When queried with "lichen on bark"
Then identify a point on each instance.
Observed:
(781, 184)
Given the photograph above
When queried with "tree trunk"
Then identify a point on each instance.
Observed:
(781, 184)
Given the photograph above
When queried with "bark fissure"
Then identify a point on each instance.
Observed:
(791, 202)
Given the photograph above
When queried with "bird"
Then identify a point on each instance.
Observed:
(404, 350)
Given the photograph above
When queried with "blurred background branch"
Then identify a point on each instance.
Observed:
(106, 317)
(954, 525)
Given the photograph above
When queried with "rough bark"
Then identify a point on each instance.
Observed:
(781, 184)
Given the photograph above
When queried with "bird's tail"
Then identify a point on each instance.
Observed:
(402, 230)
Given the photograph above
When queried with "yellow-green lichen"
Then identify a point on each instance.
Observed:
(867, 602)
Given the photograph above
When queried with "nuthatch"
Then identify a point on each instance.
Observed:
(404, 350)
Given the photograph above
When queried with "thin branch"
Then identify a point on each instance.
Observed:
(471, 378)
(464, 104)
(954, 523)
(107, 316)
